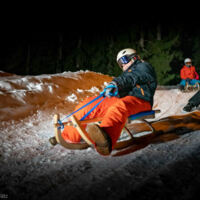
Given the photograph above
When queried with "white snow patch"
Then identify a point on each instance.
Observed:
(93, 90)
(170, 102)
(71, 98)
(5, 85)
(35, 86)
(19, 95)
(105, 83)
(50, 89)
(80, 91)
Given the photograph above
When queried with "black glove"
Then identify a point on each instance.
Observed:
(111, 90)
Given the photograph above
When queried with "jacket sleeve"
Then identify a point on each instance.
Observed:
(182, 74)
(126, 80)
(196, 76)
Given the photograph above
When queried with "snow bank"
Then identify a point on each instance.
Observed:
(22, 96)
(170, 102)
(30, 168)
(25, 95)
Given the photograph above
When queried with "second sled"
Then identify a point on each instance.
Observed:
(190, 88)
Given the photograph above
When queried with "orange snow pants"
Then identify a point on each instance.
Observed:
(114, 111)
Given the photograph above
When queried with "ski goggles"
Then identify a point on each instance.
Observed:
(123, 60)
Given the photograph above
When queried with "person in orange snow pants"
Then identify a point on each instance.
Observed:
(130, 93)
(114, 111)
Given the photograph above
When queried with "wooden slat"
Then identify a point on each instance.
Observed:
(146, 117)
(58, 136)
(157, 111)
(123, 144)
(62, 142)
(69, 123)
(99, 119)
(87, 121)
(56, 131)
(80, 129)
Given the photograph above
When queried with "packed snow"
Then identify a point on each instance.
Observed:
(30, 168)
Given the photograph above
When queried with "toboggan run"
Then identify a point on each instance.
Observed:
(31, 168)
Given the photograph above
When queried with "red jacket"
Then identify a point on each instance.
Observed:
(189, 72)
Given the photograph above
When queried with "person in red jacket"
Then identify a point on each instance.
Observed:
(188, 74)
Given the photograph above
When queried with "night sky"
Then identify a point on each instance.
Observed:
(95, 18)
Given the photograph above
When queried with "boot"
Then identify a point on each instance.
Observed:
(103, 142)
(53, 141)
(188, 107)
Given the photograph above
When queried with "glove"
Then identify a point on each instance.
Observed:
(111, 90)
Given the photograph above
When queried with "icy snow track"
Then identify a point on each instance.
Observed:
(30, 168)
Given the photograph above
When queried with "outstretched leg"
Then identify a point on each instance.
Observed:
(115, 119)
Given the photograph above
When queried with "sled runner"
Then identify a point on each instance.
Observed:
(130, 138)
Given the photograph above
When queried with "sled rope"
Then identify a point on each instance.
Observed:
(91, 110)
(95, 99)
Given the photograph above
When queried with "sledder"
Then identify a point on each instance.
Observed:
(193, 103)
(130, 93)
(190, 78)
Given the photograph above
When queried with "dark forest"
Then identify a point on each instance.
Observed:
(89, 44)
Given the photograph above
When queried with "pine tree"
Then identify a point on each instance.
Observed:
(161, 53)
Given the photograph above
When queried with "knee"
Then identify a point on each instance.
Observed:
(183, 81)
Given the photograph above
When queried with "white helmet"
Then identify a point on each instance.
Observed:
(125, 52)
(125, 55)
(187, 60)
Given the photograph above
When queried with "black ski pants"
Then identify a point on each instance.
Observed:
(195, 100)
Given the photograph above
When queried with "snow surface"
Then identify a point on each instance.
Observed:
(30, 168)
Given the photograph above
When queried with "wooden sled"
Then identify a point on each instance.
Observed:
(121, 144)
(166, 129)
(191, 88)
